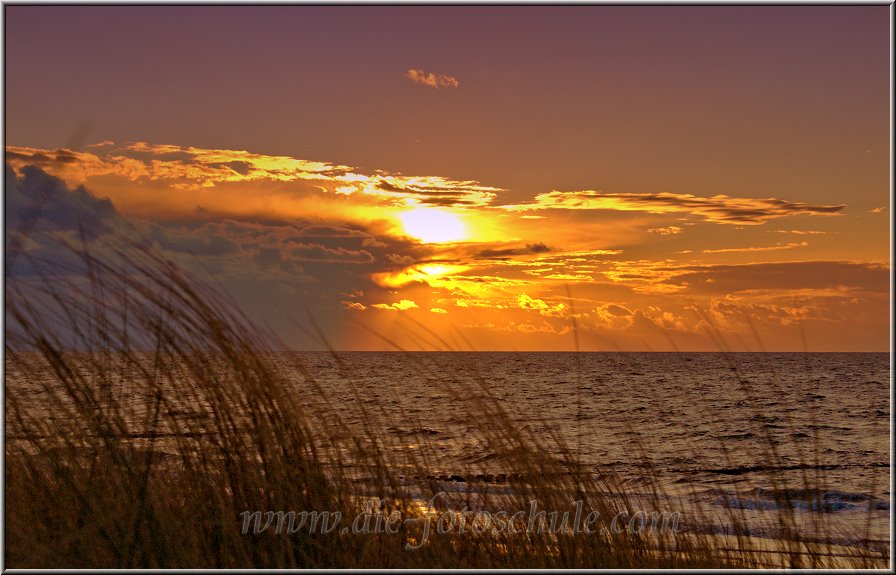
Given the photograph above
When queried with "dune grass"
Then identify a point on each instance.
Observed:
(145, 414)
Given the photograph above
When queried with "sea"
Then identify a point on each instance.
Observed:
(750, 432)
(717, 434)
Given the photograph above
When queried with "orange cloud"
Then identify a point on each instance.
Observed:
(402, 305)
(199, 169)
(759, 248)
(311, 252)
(667, 231)
(720, 209)
(437, 81)
(527, 302)
(801, 232)
(865, 276)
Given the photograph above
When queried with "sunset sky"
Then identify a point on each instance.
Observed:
(492, 174)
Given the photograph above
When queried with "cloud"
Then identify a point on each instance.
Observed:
(618, 310)
(720, 209)
(536, 248)
(437, 81)
(163, 180)
(667, 231)
(612, 316)
(193, 242)
(402, 260)
(311, 252)
(527, 302)
(277, 230)
(37, 200)
(268, 257)
(43, 216)
(74, 167)
(663, 278)
(202, 169)
(524, 301)
(568, 277)
(529, 328)
(786, 310)
(402, 305)
(780, 276)
(324, 231)
(877, 210)
(778, 247)
(653, 317)
(433, 190)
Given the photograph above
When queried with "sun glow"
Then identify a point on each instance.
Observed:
(433, 226)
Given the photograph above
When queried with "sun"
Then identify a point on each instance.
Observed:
(433, 226)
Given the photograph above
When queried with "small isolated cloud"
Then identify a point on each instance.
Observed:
(403, 305)
(877, 210)
(354, 305)
(437, 81)
(437, 310)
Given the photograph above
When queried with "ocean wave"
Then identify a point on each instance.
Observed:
(402, 432)
(800, 499)
(741, 470)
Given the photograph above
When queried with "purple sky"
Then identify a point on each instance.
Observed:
(696, 99)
